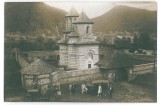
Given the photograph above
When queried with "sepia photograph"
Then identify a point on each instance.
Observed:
(80, 51)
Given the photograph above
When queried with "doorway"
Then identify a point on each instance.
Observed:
(89, 66)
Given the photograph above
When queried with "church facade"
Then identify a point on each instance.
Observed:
(78, 48)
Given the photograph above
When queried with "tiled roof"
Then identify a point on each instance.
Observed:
(63, 41)
(38, 67)
(88, 42)
(72, 13)
(83, 18)
(73, 34)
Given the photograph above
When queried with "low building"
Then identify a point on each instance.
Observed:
(36, 75)
(115, 64)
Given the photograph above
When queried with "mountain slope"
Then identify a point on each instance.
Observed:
(123, 18)
(33, 17)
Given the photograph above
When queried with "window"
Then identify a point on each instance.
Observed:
(90, 55)
(75, 29)
(87, 29)
(89, 65)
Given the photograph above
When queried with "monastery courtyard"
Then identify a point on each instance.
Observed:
(136, 91)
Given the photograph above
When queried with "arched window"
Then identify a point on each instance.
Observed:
(90, 55)
(89, 59)
(87, 29)
(75, 29)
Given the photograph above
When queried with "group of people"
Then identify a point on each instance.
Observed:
(110, 90)
(72, 89)
(84, 89)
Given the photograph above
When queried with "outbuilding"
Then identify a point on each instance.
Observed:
(37, 75)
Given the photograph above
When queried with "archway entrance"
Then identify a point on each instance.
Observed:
(89, 60)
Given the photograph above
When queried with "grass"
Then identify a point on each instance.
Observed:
(146, 80)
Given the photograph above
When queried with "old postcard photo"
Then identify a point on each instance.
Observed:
(80, 51)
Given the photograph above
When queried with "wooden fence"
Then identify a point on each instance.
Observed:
(141, 69)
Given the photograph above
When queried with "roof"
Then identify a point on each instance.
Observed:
(88, 42)
(82, 19)
(107, 39)
(38, 67)
(100, 81)
(72, 13)
(120, 60)
(63, 41)
(73, 34)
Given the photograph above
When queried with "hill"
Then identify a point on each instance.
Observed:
(124, 18)
(33, 18)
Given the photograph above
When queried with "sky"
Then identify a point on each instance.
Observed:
(94, 9)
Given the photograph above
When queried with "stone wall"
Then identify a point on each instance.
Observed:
(72, 50)
(63, 55)
(82, 52)
(69, 21)
(83, 27)
(74, 56)
(73, 40)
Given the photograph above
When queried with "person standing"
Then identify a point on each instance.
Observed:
(73, 89)
(59, 92)
(99, 91)
(84, 88)
(70, 89)
(110, 91)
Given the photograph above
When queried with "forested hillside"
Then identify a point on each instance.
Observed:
(124, 18)
(33, 18)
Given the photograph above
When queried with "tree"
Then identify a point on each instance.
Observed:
(122, 43)
(146, 42)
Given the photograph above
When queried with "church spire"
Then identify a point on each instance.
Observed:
(72, 13)
(83, 18)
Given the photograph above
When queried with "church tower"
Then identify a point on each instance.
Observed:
(69, 19)
(83, 25)
(79, 50)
